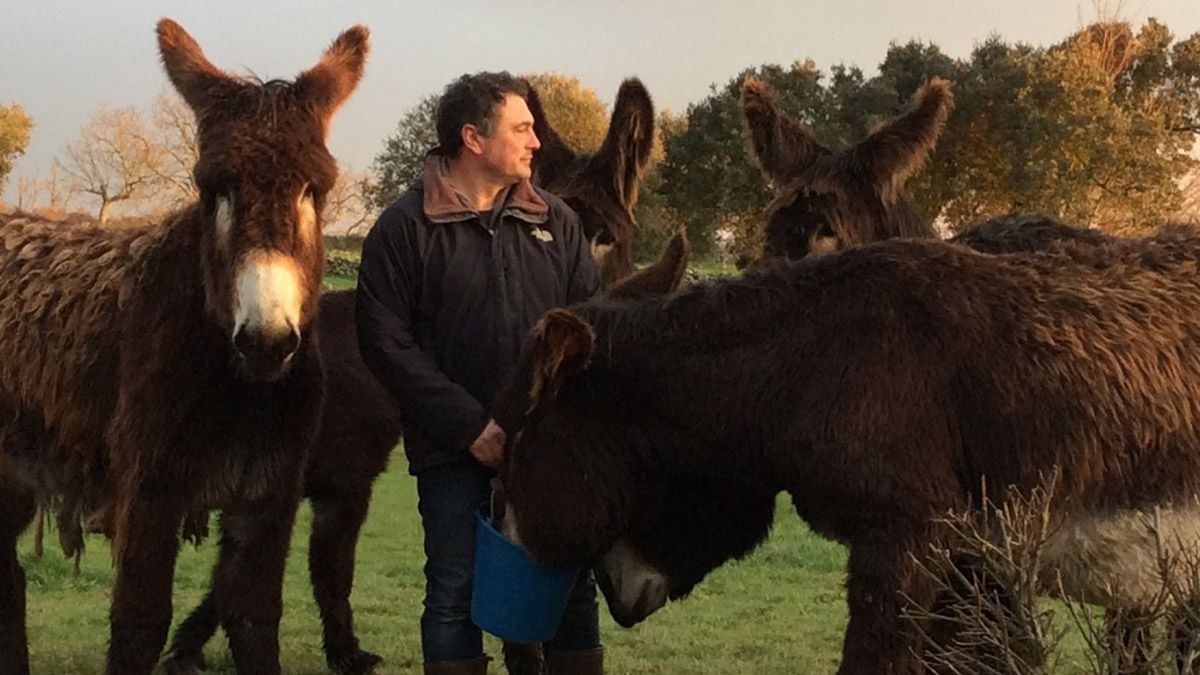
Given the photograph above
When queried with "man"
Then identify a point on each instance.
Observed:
(453, 276)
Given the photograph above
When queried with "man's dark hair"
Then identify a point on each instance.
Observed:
(473, 99)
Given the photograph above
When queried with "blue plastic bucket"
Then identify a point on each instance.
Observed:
(514, 598)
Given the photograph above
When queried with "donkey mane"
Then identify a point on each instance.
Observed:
(726, 312)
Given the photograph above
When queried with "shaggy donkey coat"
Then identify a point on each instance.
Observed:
(175, 367)
(895, 378)
(361, 423)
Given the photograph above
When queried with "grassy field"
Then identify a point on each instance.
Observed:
(780, 608)
(336, 283)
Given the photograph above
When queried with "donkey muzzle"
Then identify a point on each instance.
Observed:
(263, 356)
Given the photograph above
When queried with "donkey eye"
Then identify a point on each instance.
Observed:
(310, 192)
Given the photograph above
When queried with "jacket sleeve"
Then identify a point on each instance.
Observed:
(584, 280)
(388, 287)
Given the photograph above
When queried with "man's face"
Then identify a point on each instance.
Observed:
(509, 150)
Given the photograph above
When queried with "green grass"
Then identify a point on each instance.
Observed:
(712, 268)
(336, 282)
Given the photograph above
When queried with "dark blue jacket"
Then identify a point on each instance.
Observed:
(444, 303)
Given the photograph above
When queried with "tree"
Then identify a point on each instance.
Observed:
(1096, 130)
(349, 205)
(399, 164)
(176, 134)
(656, 221)
(115, 159)
(16, 129)
(574, 110)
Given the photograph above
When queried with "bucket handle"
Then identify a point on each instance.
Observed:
(496, 496)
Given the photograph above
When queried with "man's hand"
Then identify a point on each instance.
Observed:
(489, 447)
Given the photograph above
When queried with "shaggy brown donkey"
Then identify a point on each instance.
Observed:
(361, 424)
(894, 377)
(176, 366)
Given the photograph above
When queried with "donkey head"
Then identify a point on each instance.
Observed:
(602, 188)
(572, 500)
(566, 497)
(263, 173)
(827, 199)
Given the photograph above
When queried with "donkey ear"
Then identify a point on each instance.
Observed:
(625, 153)
(329, 83)
(194, 76)
(563, 347)
(897, 150)
(554, 158)
(783, 146)
(661, 278)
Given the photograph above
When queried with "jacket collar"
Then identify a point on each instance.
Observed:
(443, 203)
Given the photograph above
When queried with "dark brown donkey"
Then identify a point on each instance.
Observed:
(175, 367)
(361, 424)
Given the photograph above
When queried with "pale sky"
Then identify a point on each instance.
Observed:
(60, 58)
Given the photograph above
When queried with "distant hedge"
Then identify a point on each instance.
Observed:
(342, 263)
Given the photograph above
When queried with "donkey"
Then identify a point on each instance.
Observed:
(830, 199)
(602, 188)
(896, 376)
(176, 366)
(361, 423)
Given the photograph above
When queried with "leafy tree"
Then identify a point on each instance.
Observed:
(574, 110)
(16, 129)
(399, 164)
(1096, 130)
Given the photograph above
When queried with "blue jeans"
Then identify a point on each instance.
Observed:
(448, 497)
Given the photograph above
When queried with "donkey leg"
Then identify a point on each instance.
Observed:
(147, 523)
(17, 506)
(877, 642)
(186, 655)
(337, 521)
(248, 581)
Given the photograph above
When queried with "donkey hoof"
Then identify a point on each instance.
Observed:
(357, 662)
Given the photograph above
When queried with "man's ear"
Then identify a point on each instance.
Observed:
(472, 139)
